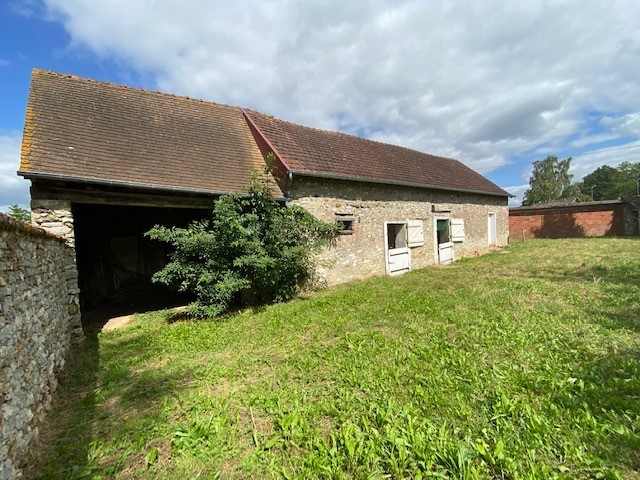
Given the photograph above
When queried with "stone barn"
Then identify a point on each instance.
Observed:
(107, 162)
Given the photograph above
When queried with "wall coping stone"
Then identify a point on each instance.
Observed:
(9, 223)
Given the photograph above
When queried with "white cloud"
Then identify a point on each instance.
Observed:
(13, 189)
(25, 8)
(627, 125)
(586, 140)
(518, 191)
(481, 81)
(582, 165)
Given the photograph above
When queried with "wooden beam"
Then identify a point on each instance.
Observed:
(44, 191)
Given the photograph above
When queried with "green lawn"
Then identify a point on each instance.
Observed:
(522, 364)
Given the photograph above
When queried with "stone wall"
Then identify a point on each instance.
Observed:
(38, 319)
(55, 217)
(362, 254)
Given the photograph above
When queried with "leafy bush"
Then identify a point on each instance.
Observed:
(251, 245)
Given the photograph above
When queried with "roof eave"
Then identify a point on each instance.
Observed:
(334, 176)
(117, 183)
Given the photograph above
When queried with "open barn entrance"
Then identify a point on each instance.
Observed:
(116, 261)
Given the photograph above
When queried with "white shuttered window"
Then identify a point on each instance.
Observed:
(415, 230)
(457, 230)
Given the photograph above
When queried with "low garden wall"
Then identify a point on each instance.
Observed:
(588, 219)
(39, 318)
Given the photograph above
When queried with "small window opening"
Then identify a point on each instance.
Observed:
(346, 222)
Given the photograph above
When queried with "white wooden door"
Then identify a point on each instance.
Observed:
(445, 253)
(444, 241)
(398, 254)
(399, 261)
(493, 231)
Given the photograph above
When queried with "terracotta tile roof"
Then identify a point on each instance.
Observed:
(85, 130)
(316, 152)
(94, 131)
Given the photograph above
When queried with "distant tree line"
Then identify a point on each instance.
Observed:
(551, 181)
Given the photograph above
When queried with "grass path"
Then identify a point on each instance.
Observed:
(518, 365)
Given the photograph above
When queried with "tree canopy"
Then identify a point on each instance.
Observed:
(609, 183)
(549, 180)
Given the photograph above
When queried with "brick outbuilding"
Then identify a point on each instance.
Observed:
(572, 218)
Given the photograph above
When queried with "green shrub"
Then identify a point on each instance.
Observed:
(19, 213)
(251, 245)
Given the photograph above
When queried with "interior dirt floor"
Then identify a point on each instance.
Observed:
(118, 308)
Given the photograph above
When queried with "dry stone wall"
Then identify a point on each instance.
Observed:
(55, 217)
(362, 254)
(39, 317)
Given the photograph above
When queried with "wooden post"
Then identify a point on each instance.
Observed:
(524, 238)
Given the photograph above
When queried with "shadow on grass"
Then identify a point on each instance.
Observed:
(616, 282)
(626, 274)
(623, 275)
(183, 316)
(621, 286)
(608, 390)
(73, 408)
(622, 318)
(100, 400)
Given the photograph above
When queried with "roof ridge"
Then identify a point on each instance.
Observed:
(127, 87)
(334, 132)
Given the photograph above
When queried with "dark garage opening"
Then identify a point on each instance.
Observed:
(116, 261)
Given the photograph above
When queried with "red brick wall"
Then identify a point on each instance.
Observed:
(568, 222)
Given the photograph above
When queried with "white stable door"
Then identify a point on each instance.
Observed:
(397, 252)
(493, 230)
(443, 240)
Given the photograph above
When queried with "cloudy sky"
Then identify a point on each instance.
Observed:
(495, 84)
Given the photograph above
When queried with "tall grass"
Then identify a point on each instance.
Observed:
(523, 364)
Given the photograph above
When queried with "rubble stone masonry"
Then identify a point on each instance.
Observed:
(362, 254)
(39, 318)
(55, 217)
